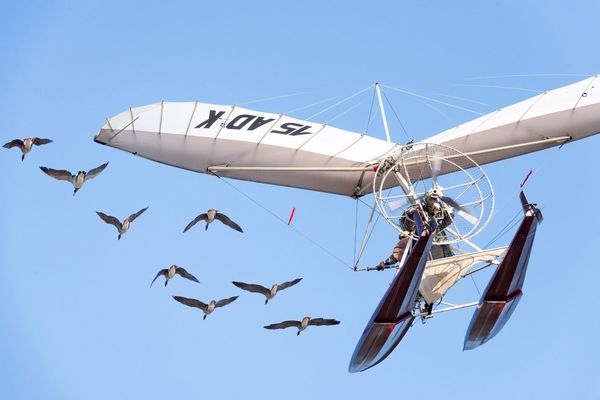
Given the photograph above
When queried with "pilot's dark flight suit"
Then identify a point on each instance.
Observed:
(396, 253)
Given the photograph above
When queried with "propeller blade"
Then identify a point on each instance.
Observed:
(469, 217)
(461, 210)
(436, 166)
(400, 203)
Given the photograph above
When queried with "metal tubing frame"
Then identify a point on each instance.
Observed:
(458, 307)
(216, 168)
(370, 168)
(383, 117)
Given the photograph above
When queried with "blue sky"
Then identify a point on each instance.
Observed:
(78, 319)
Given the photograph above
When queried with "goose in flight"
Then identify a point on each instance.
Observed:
(210, 216)
(76, 180)
(206, 308)
(302, 325)
(26, 144)
(122, 227)
(268, 293)
(170, 272)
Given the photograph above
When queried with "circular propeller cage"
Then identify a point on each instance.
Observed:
(438, 182)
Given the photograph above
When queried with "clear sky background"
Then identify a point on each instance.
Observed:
(77, 318)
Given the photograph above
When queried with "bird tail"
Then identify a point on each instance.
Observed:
(119, 238)
(204, 316)
(22, 156)
(75, 191)
(206, 227)
(166, 281)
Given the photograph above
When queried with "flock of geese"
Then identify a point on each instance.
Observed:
(77, 180)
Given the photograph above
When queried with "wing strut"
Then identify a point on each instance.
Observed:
(393, 316)
(504, 290)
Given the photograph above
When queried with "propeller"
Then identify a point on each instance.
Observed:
(436, 166)
(402, 203)
(460, 209)
(435, 162)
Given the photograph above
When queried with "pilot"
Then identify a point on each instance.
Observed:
(397, 253)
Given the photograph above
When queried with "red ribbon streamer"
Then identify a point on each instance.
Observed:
(527, 177)
(292, 215)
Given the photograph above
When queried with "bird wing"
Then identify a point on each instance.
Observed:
(40, 141)
(286, 285)
(137, 214)
(109, 219)
(163, 272)
(283, 325)
(191, 302)
(92, 173)
(251, 287)
(224, 302)
(200, 217)
(225, 219)
(182, 272)
(60, 174)
(322, 321)
(13, 143)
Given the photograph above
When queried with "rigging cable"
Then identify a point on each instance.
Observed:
(355, 228)
(370, 112)
(524, 76)
(468, 100)
(433, 100)
(396, 115)
(476, 287)
(498, 87)
(283, 221)
(316, 103)
(283, 96)
(434, 108)
(343, 113)
(340, 102)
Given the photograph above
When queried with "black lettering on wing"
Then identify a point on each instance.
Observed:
(288, 128)
(212, 118)
(240, 121)
(302, 131)
(258, 122)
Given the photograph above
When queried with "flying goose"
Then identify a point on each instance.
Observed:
(122, 227)
(210, 216)
(302, 325)
(268, 293)
(170, 272)
(207, 308)
(26, 144)
(77, 180)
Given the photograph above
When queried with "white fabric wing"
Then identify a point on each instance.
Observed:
(198, 136)
(552, 118)
(238, 143)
